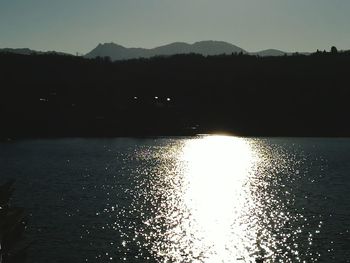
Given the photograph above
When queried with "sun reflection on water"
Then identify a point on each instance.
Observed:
(215, 199)
(217, 172)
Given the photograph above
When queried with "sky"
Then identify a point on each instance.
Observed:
(80, 25)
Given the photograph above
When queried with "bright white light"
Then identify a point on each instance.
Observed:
(218, 169)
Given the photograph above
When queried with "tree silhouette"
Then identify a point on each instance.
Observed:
(245, 94)
(334, 50)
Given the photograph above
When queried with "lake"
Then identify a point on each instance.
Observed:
(196, 199)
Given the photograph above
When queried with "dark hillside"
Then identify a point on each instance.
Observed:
(56, 95)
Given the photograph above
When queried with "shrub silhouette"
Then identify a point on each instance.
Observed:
(12, 226)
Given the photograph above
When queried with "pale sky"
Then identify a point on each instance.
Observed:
(79, 25)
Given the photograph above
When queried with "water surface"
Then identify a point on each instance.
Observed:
(202, 199)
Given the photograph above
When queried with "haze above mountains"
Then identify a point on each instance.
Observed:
(118, 52)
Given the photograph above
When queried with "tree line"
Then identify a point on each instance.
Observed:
(47, 95)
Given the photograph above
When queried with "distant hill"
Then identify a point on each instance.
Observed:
(270, 53)
(27, 51)
(117, 52)
(21, 51)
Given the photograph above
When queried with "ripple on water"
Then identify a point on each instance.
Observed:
(214, 199)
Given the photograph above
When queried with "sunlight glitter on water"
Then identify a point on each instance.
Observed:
(207, 203)
(217, 199)
(217, 172)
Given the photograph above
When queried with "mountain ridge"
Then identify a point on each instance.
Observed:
(208, 47)
(119, 52)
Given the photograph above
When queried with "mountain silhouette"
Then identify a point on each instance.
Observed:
(118, 52)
